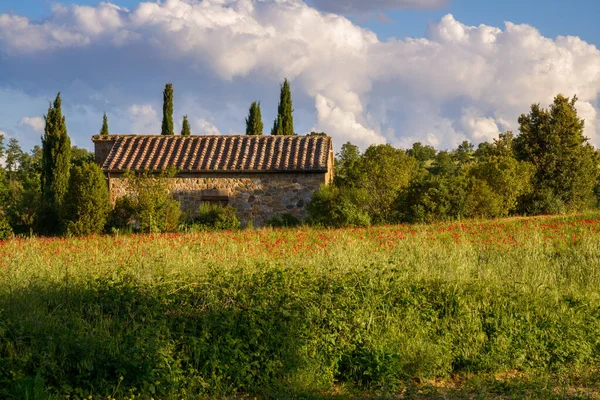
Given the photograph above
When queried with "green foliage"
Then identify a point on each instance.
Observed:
(122, 217)
(284, 123)
(87, 203)
(167, 121)
(5, 228)
(254, 124)
(347, 167)
(335, 207)
(422, 153)
(241, 314)
(565, 164)
(433, 197)
(80, 157)
(214, 216)
(104, 130)
(385, 173)
(185, 127)
(56, 162)
(149, 196)
(24, 192)
(283, 221)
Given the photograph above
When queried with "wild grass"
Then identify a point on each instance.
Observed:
(499, 307)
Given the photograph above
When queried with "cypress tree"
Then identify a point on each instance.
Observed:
(254, 124)
(274, 128)
(87, 202)
(167, 121)
(104, 130)
(56, 162)
(284, 124)
(185, 127)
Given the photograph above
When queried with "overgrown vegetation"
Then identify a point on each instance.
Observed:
(296, 313)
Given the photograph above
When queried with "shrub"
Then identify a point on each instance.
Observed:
(331, 206)
(5, 229)
(149, 207)
(122, 216)
(216, 216)
(283, 221)
(87, 201)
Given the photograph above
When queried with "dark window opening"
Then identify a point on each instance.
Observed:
(218, 196)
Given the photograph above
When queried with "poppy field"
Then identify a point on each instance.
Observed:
(506, 307)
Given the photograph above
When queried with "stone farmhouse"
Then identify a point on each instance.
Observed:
(260, 176)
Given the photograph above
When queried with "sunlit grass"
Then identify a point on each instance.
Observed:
(300, 311)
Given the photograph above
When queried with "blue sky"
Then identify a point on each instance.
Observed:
(467, 76)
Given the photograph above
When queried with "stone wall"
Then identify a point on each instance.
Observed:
(256, 197)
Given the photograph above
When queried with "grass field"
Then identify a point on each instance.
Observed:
(502, 308)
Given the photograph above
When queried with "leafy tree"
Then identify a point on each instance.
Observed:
(385, 172)
(335, 207)
(14, 155)
(80, 156)
(464, 153)
(56, 162)
(284, 124)
(185, 127)
(347, 168)
(104, 130)
(422, 153)
(443, 164)
(506, 177)
(433, 197)
(254, 124)
(87, 202)
(167, 121)
(24, 191)
(565, 163)
(2, 148)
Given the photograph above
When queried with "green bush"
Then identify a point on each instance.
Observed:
(216, 216)
(331, 206)
(148, 207)
(5, 228)
(283, 221)
(87, 202)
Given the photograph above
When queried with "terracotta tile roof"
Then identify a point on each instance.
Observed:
(217, 153)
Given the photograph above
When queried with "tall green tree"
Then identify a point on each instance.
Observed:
(104, 130)
(56, 162)
(565, 163)
(167, 121)
(1, 145)
(254, 124)
(87, 202)
(284, 124)
(185, 127)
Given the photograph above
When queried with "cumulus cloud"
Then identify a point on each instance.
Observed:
(356, 6)
(35, 123)
(457, 83)
(144, 119)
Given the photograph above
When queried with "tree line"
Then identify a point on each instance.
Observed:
(549, 167)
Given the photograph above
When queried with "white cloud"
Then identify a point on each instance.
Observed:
(144, 119)
(354, 6)
(203, 127)
(35, 123)
(459, 82)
